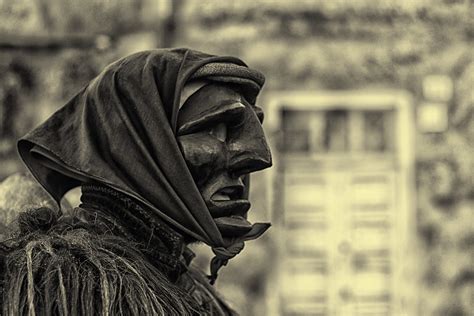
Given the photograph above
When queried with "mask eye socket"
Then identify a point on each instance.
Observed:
(219, 131)
(231, 114)
(259, 113)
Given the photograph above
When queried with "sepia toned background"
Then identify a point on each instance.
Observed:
(369, 110)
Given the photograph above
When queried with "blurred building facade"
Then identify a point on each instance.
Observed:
(371, 117)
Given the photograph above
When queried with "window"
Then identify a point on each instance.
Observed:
(377, 131)
(337, 131)
(296, 130)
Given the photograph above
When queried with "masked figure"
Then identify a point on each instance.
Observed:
(162, 144)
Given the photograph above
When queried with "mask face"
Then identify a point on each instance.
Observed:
(222, 140)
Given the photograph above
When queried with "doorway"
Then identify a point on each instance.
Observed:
(342, 202)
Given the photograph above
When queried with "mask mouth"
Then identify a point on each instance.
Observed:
(228, 201)
(229, 193)
(229, 208)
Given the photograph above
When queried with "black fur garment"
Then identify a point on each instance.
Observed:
(87, 263)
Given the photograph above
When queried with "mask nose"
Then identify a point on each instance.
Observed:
(249, 152)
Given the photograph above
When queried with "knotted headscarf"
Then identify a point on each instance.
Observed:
(120, 130)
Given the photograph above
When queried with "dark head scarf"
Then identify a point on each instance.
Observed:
(120, 131)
